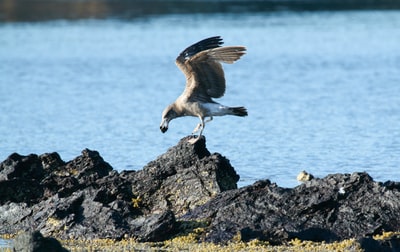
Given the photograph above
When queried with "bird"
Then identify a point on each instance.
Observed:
(205, 80)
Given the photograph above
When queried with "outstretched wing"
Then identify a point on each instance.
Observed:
(192, 50)
(201, 64)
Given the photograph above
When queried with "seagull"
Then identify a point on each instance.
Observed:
(201, 65)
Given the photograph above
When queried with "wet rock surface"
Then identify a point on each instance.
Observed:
(188, 186)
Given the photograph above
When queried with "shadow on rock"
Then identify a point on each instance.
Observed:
(35, 242)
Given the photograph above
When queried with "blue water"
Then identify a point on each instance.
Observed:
(5, 244)
(322, 90)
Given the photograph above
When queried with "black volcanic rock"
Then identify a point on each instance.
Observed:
(337, 207)
(21, 167)
(185, 187)
(86, 198)
(184, 177)
(389, 244)
(35, 242)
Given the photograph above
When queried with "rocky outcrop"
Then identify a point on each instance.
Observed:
(85, 197)
(337, 207)
(185, 188)
(184, 177)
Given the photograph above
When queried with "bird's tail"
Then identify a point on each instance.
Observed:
(238, 111)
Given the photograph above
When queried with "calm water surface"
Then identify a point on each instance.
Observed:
(322, 90)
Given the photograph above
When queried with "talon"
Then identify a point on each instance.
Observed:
(194, 140)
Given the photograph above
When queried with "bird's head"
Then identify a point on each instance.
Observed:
(168, 114)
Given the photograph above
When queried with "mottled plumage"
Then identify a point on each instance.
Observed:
(201, 65)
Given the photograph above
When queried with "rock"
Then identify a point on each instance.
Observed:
(35, 242)
(340, 206)
(304, 176)
(86, 198)
(21, 167)
(184, 188)
(392, 185)
(156, 227)
(186, 176)
(20, 190)
(391, 244)
(88, 167)
(51, 161)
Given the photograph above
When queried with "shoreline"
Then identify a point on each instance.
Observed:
(189, 243)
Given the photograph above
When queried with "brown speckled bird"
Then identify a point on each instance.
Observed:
(201, 64)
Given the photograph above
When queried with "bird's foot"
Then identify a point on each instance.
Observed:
(194, 139)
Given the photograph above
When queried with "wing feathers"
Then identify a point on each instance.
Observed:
(200, 46)
(227, 54)
(201, 64)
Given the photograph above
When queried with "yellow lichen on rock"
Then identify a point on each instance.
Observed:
(385, 235)
(346, 245)
(190, 242)
(136, 202)
(56, 224)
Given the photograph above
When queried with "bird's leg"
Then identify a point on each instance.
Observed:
(197, 128)
(209, 120)
(200, 127)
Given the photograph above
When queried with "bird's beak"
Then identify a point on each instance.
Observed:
(164, 125)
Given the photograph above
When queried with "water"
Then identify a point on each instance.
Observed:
(322, 90)
(5, 244)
